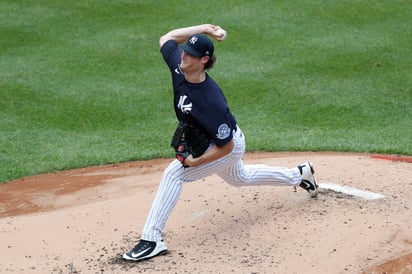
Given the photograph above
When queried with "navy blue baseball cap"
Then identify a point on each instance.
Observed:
(198, 45)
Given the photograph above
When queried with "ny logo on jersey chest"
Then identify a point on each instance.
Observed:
(185, 108)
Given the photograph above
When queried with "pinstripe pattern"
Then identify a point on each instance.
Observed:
(230, 168)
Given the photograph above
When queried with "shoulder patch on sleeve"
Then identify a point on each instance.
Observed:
(223, 131)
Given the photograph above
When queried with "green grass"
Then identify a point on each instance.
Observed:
(83, 83)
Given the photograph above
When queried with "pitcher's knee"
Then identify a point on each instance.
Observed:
(235, 181)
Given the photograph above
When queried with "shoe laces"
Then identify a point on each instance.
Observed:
(142, 245)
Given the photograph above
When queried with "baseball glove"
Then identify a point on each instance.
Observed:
(188, 140)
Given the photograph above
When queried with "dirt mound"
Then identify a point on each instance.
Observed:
(81, 221)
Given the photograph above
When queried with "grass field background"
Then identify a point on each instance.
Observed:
(83, 83)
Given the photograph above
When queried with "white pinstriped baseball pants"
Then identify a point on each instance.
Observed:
(230, 168)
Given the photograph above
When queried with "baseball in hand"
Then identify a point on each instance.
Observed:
(220, 34)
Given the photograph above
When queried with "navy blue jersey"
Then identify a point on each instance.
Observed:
(200, 104)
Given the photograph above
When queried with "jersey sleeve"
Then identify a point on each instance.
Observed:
(224, 130)
(219, 124)
(171, 54)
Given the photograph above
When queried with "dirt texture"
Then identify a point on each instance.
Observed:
(83, 220)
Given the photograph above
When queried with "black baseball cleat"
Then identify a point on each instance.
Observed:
(145, 250)
(308, 180)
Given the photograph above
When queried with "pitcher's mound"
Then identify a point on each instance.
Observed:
(81, 221)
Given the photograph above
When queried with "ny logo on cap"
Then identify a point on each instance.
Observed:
(193, 40)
